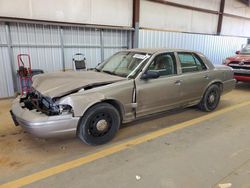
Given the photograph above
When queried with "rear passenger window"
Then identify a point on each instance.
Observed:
(191, 62)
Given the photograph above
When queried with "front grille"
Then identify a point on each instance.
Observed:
(238, 62)
(240, 65)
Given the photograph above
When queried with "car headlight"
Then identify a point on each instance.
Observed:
(64, 108)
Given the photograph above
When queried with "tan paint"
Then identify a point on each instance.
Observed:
(152, 96)
(61, 83)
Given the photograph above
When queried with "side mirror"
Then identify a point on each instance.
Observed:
(237, 52)
(150, 74)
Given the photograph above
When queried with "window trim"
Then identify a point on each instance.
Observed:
(194, 55)
(175, 61)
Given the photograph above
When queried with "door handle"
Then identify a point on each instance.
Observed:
(206, 77)
(178, 82)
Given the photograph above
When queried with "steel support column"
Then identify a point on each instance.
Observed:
(102, 45)
(220, 19)
(136, 19)
(62, 48)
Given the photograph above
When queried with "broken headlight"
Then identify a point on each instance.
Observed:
(64, 108)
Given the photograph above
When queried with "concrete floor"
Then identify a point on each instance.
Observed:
(214, 153)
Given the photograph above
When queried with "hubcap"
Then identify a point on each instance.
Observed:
(211, 98)
(102, 125)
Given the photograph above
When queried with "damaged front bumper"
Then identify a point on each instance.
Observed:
(42, 125)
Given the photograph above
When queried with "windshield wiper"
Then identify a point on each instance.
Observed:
(109, 72)
(98, 70)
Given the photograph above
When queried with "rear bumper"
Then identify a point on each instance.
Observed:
(41, 125)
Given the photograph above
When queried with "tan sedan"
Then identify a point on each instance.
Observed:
(129, 85)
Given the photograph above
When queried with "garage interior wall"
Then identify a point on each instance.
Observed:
(52, 46)
(236, 26)
(236, 17)
(164, 25)
(6, 82)
(51, 52)
(216, 48)
(99, 12)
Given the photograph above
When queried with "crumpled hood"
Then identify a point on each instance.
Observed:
(61, 83)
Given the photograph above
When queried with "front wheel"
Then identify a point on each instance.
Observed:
(99, 124)
(210, 99)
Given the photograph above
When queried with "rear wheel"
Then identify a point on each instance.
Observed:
(99, 124)
(210, 99)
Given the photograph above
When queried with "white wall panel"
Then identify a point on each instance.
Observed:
(236, 7)
(112, 12)
(235, 26)
(216, 48)
(159, 16)
(104, 12)
(211, 4)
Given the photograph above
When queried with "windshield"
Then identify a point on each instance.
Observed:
(245, 50)
(125, 64)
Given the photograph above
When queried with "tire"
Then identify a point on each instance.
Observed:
(210, 99)
(99, 124)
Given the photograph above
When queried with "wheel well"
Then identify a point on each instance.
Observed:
(117, 105)
(114, 103)
(219, 84)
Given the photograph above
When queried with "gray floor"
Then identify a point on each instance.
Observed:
(204, 155)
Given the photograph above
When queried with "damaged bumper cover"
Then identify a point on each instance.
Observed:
(42, 125)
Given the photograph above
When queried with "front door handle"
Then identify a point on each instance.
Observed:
(178, 82)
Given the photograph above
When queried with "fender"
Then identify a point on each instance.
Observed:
(217, 81)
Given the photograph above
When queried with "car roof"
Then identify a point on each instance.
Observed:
(158, 50)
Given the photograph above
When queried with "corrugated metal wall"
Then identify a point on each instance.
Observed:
(52, 47)
(41, 42)
(216, 48)
(6, 82)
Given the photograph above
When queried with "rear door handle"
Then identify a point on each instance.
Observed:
(178, 82)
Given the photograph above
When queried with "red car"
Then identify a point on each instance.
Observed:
(241, 64)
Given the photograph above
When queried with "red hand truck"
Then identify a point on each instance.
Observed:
(25, 73)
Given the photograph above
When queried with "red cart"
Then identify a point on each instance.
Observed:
(24, 73)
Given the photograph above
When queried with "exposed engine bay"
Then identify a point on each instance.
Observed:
(46, 105)
(51, 106)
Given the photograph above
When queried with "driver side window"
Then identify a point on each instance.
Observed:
(165, 64)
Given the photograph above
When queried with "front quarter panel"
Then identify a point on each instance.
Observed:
(120, 92)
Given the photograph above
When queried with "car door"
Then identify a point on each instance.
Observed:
(195, 77)
(162, 93)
